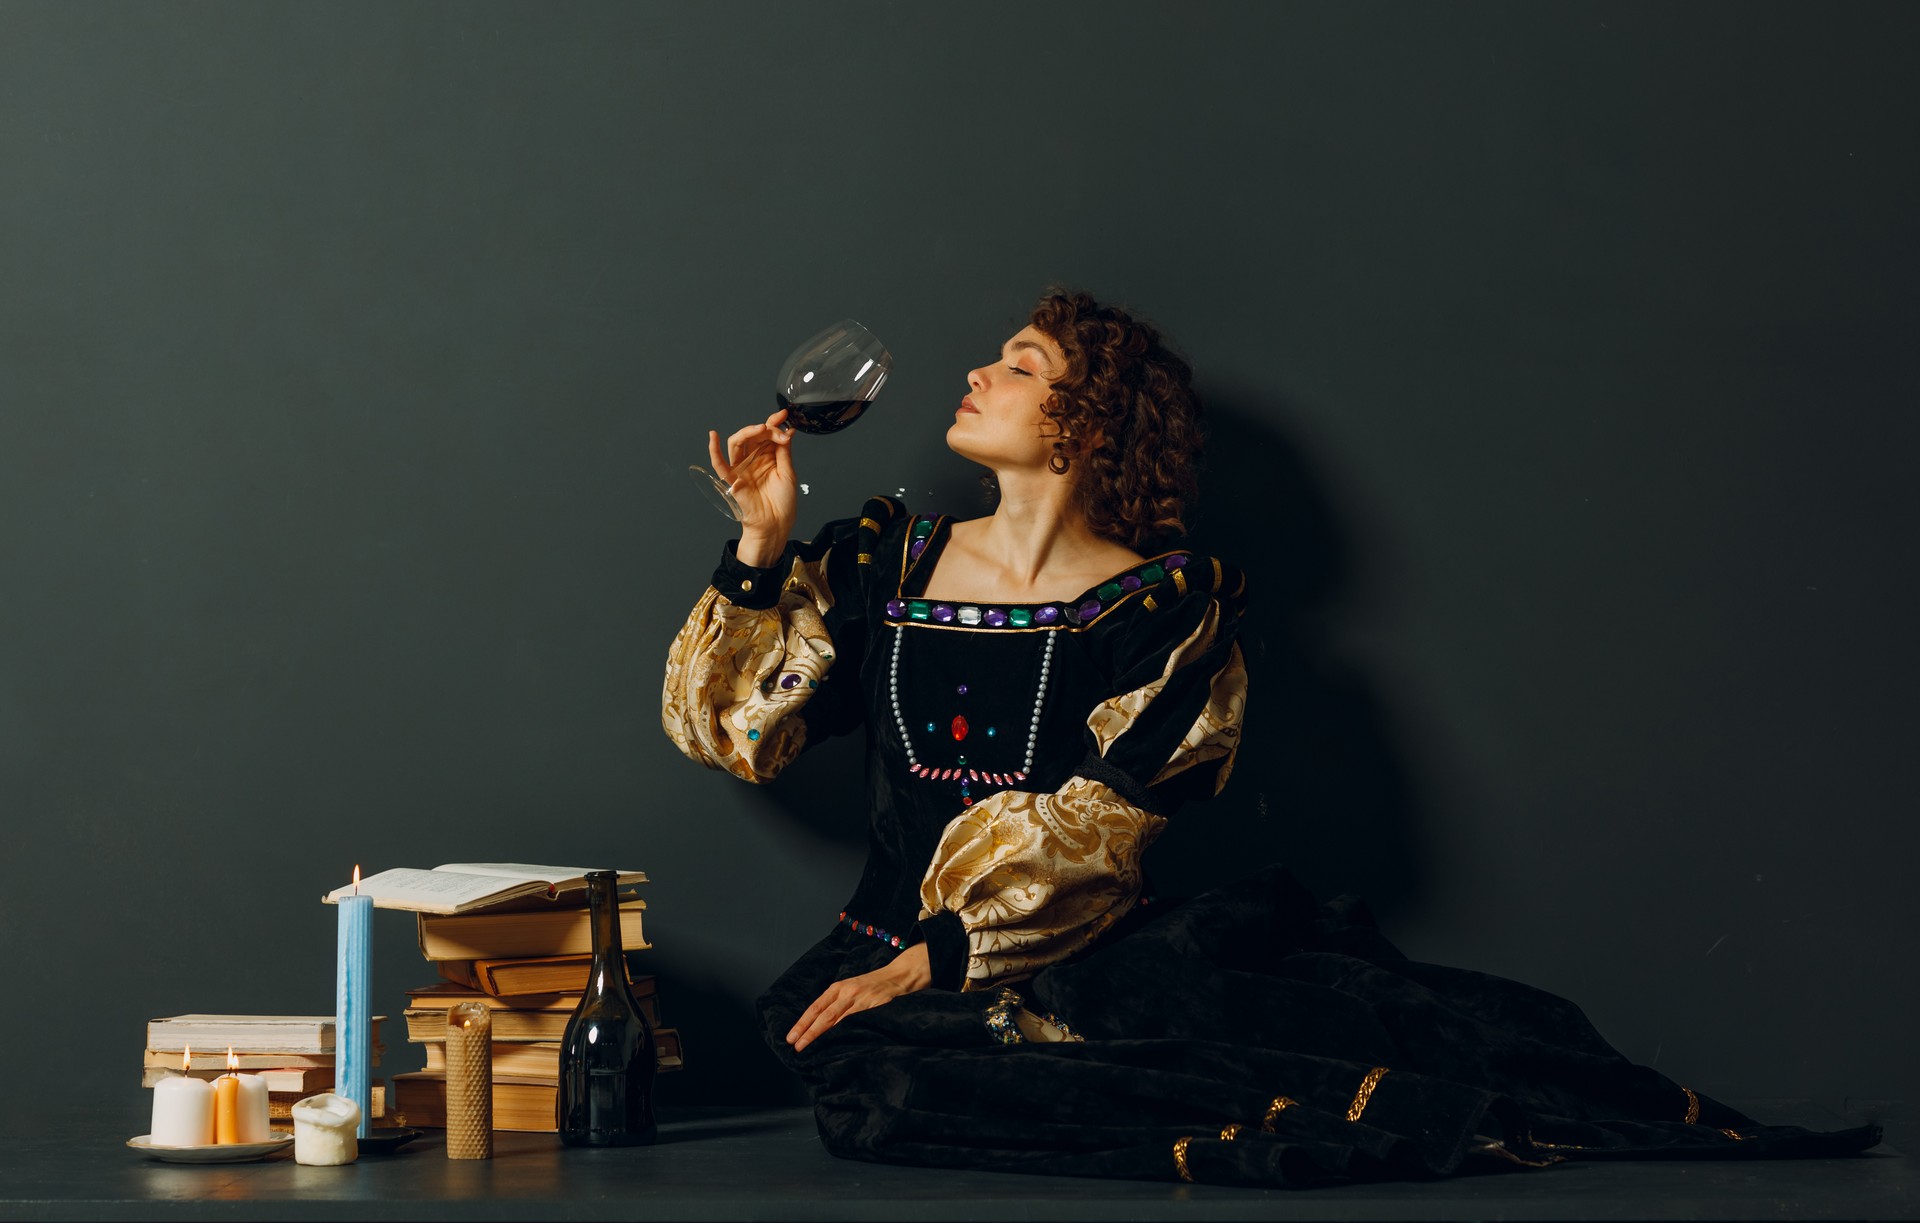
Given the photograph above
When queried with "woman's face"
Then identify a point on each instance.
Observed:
(999, 423)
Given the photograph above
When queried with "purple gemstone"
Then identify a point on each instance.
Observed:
(788, 681)
(962, 690)
(919, 546)
(1176, 561)
(896, 608)
(996, 617)
(1130, 583)
(943, 613)
(1046, 615)
(1089, 609)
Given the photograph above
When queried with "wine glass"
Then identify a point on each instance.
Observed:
(824, 386)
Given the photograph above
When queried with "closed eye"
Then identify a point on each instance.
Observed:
(1023, 373)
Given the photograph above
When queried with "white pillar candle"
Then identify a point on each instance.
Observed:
(182, 1113)
(326, 1131)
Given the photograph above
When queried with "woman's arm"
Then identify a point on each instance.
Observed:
(1022, 880)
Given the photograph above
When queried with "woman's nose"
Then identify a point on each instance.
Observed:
(975, 381)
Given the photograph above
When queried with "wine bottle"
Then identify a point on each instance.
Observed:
(607, 1056)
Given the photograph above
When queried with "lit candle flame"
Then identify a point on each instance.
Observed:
(233, 1063)
(356, 878)
(186, 1058)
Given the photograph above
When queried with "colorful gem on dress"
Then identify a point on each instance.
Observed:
(922, 527)
(1152, 573)
(919, 609)
(789, 680)
(943, 612)
(969, 615)
(1108, 592)
(959, 729)
(1046, 615)
(896, 608)
(753, 735)
(1089, 610)
(962, 690)
(1019, 617)
(919, 546)
(1130, 583)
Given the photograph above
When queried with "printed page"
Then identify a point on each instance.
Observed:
(436, 891)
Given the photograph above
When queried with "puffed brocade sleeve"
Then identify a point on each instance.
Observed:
(749, 679)
(1022, 880)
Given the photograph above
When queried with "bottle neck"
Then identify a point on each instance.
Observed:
(609, 974)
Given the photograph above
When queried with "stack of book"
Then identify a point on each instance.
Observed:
(518, 940)
(292, 1053)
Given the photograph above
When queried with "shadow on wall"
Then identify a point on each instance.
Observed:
(727, 1061)
(1323, 784)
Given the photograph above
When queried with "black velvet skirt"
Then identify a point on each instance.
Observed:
(1250, 1036)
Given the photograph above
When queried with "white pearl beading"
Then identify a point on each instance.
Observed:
(932, 774)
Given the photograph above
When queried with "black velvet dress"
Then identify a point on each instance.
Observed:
(1019, 759)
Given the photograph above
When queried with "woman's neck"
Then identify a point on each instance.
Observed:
(1035, 546)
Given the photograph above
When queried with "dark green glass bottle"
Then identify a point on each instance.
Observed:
(607, 1057)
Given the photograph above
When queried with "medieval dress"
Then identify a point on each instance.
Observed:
(1020, 758)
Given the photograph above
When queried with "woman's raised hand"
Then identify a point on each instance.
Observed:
(757, 464)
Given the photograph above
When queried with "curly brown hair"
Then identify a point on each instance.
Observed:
(1124, 412)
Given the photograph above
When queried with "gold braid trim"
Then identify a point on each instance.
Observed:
(1693, 1107)
(1279, 1105)
(863, 558)
(1180, 1159)
(1231, 1132)
(868, 524)
(1736, 1135)
(1365, 1093)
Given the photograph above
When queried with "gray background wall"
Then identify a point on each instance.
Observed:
(1560, 362)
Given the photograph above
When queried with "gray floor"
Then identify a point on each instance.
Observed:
(767, 1164)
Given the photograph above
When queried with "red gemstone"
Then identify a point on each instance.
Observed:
(959, 727)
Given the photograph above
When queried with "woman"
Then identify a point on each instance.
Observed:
(1040, 690)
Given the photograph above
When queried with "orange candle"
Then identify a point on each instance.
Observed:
(226, 1109)
(239, 1106)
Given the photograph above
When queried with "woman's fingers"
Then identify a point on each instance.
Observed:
(823, 1014)
(840, 1000)
(718, 457)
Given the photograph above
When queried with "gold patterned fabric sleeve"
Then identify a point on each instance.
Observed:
(1033, 878)
(739, 677)
(747, 684)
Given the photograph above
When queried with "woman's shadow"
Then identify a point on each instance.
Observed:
(1321, 783)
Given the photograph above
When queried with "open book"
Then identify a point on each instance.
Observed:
(460, 886)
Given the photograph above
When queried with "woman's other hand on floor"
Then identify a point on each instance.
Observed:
(907, 973)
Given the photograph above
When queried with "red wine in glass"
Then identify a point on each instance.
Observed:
(821, 416)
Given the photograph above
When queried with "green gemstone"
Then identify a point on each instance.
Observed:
(1108, 593)
(1152, 574)
(1020, 617)
(918, 609)
(922, 529)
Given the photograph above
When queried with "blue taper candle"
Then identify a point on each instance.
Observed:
(352, 1033)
